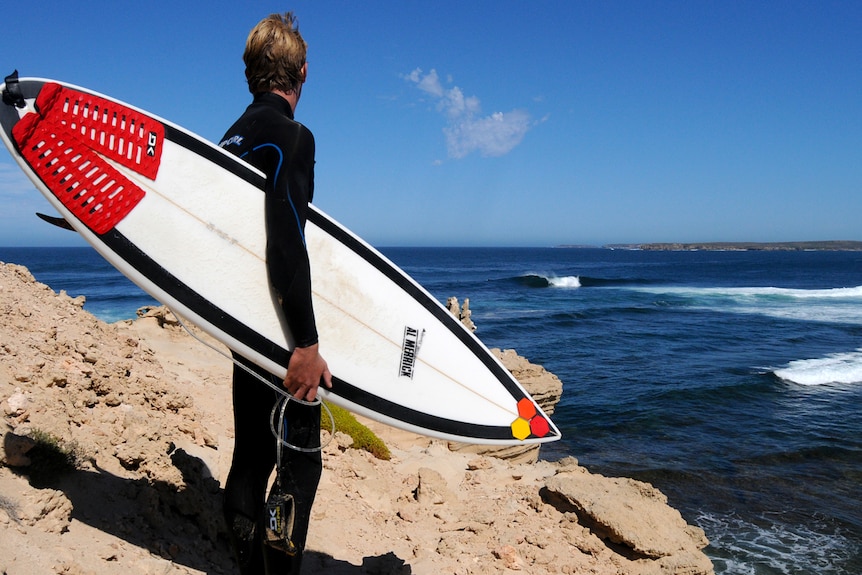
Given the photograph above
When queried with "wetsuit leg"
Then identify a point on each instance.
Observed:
(253, 461)
(300, 475)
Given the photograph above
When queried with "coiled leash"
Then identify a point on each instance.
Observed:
(280, 405)
(280, 507)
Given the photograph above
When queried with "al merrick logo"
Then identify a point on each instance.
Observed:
(410, 351)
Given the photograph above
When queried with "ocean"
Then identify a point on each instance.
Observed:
(730, 380)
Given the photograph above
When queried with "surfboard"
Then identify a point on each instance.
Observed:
(184, 220)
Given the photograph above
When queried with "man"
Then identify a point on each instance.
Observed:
(267, 137)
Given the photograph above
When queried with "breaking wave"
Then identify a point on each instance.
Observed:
(837, 305)
(843, 368)
(571, 281)
(543, 281)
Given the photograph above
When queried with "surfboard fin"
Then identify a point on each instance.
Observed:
(56, 221)
(12, 95)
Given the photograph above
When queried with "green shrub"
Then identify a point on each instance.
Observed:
(50, 458)
(363, 438)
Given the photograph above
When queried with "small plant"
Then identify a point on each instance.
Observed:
(50, 457)
(363, 438)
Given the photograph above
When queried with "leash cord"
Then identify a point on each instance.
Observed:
(285, 398)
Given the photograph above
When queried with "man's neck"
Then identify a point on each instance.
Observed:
(292, 97)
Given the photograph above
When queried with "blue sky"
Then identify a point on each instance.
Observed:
(505, 123)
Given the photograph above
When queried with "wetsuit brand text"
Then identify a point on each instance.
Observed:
(233, 140)
(410, 350)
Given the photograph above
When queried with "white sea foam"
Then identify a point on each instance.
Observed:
(739, 547)
(565, 282)
(834, 368)
(836, 305)
(749, 292)
(852, 292)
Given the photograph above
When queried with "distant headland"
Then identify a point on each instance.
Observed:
(833, 246)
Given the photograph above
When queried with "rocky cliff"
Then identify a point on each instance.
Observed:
(117, 438)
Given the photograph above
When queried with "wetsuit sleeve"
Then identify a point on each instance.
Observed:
(287, 198)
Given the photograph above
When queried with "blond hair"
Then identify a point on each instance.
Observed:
(275, 55)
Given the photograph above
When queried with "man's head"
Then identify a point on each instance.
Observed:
(275, 55)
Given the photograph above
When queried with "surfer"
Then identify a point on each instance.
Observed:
(267, 136)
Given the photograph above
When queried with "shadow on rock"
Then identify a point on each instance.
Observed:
(180, 523)
(389, 564)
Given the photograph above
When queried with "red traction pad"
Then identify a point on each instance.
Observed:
(67, 142)
(122, 134)
(96, 192)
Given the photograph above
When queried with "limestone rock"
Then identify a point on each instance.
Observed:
(463, 313)
(14, 448)
(545, 387)
(17, 403)
(432, 488)
(51, 510)
(630, 514)
(162, 314)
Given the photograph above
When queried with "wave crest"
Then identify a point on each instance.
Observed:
(543, 281)
(843, 368)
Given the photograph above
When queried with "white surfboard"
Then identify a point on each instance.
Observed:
(184, 220)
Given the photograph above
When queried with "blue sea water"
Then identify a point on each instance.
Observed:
(730, 380)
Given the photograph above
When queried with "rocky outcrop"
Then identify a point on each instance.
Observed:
(650, 530)
(461, 513)
(545, 388)
(96, 390)
(462, 312)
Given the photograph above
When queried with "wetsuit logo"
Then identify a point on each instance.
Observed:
(410, 350)
(233, 140)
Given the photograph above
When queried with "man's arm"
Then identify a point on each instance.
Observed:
(289, 267)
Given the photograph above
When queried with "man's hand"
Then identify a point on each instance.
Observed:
(305, 372)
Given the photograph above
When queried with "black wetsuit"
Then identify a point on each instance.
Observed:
(267, 137)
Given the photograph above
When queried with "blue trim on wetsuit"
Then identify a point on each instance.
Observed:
(299, 226)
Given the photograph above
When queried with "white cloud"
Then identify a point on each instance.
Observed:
(429, 83)
(493, 135)
(466, 130)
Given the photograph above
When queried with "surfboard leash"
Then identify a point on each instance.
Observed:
(280, 405)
